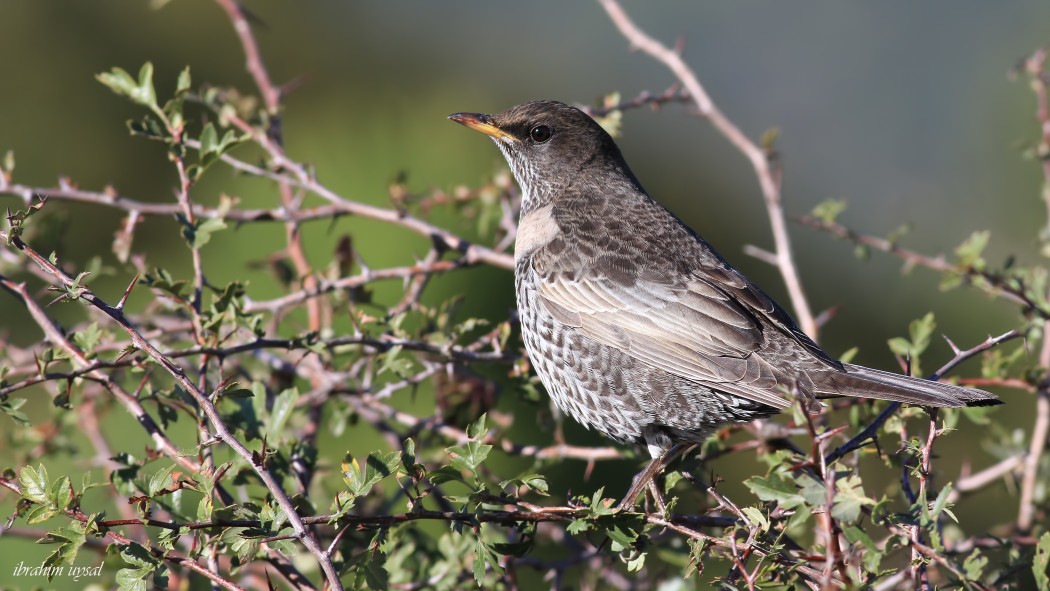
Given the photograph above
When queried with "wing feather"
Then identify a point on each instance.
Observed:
(694, 330)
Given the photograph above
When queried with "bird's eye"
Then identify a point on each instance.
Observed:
(540, 134)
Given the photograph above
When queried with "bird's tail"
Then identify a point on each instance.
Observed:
(864, 382)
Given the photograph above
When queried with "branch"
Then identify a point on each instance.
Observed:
(1012, 290)
(203, 401)
(1036, 68)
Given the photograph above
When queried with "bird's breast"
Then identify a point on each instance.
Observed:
(535, 230)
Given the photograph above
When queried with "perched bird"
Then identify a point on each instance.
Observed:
(636, 326)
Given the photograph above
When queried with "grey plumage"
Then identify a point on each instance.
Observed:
(636, 326)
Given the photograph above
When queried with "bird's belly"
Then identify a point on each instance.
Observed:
(581, 376)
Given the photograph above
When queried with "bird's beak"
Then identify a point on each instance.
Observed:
(483, 123)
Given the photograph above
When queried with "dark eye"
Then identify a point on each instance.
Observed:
(540, 134)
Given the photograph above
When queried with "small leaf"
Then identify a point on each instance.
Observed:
(118, 80)
(849, 498)
(757, 517)
(970, 251)
(160, 480)
(10, 407)
(775, 488)
(88, 338)
(1041, 562)
(828, 211)
(145, 93)
(183, 84)
(201, 234)
(34, 483)
(70, 539)
(283, 405)
(477, 429)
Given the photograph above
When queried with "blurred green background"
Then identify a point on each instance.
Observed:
(904, 109)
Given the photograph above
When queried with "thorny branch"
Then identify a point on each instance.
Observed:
(203, 400)
(1036, 69)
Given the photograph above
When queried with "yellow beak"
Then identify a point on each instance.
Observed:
(483, 123)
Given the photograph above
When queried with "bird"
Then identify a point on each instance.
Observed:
(636, 326)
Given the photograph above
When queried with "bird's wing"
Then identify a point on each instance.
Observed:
(706, 328)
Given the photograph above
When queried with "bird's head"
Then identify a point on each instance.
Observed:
(551, 147)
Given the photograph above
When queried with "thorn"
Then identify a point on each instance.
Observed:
(60, 298)
(827, 315)
(127, 292)
(955, 349)
(679, 45)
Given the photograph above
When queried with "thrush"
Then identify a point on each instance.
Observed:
(634, 324)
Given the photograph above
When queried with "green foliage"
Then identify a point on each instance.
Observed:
(919, 333)
(828, 211)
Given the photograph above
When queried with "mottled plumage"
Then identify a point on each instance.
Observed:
(636, 326)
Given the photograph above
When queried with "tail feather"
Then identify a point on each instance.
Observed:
(864, 382)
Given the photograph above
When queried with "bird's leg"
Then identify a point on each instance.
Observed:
(644, 479)
(658, 497)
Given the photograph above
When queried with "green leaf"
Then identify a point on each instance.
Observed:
(828, 211)
(10, 407)
(145, 93)
(470, 456)
(535, 482)
(395, 363)
(970, 251)
(212, 148)
(484, 555)
(160, 480)
(625, 537)
(40, 514)
(872, 556)
(200, 234)
(209, 139)
(477, 429)
(775, 488)
(360, 481)
(445, 474)
(70, 539)
(757, 517)
(183, 83)
(88, 338)
(283, 405)
(141, 91)
(942, 504)
(637, 563)
(975, 562)
(849, 499)
(1041, 562)
(141, 566)
(920, 331)
(34, 483)
(118, 80)
(61, 493)
(578, 526)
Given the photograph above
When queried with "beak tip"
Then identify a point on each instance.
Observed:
(483, 123)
